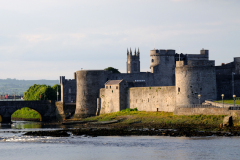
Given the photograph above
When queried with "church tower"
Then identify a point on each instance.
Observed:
(133, 62)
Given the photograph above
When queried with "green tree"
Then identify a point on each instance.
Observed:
(55, 87)
(41, 92)
(114, 70)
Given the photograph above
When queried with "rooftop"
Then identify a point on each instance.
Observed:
(113, 82)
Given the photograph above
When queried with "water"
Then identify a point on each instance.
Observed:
(13, 145)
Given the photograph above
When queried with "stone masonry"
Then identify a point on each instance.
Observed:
(171, 83)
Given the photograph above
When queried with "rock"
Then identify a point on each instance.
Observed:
(227, 121)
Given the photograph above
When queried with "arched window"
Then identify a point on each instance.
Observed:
(152, 60)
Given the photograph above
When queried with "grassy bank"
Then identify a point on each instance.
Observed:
(25, 113)
(167, 118)
(229, 101)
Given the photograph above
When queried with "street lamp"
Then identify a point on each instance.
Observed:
(234, 97)
(199, 97)
(222, 99)
(233, 83)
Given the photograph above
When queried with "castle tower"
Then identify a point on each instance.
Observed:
(163, 65)
(89, 83)
(133, 62)
(198, 77)
(155, 59)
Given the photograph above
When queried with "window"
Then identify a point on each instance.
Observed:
(178, 89)
(110, 87)
(152, 60)
(69, 90)
(106, 87)
(116, 87)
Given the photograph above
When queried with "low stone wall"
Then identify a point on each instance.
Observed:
(202, 111)
(206, 111)
(64, 110)
(218, 104)
(59, 111)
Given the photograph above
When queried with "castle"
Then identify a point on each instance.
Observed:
(175, 80)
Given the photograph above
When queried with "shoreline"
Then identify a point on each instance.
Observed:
(26, 119)
(140, 129)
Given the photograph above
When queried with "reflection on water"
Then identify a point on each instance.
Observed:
(25, 125)
(35, 125)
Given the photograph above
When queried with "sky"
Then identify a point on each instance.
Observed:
(51, 38)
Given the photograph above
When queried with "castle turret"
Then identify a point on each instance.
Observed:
(133, 62)
(89, 83)
(195, 80)
(155, 59)
(163, 65)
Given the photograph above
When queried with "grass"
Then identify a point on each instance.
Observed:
(229, 101)
(27, 113)
(129, 117)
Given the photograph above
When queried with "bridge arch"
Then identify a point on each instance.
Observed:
(27, 110)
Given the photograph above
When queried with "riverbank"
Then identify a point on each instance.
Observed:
(139, 130)
(129, 122)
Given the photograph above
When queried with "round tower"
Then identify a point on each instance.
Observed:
(195, 80)
(89, 83)
(155, 59)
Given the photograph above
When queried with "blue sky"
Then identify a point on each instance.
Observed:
(47, 39)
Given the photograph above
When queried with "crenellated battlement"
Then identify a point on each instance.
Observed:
(162, 52)
(195, 63)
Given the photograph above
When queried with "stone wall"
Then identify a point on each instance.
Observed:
(152, 98)
(224, 86)
(64, 110)
(224, 105)
(68, 89)
(200, 111)
(147, 76)
(206, 111)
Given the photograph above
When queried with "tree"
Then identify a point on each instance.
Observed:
(55, 87)
(41, 92)
(113, 70)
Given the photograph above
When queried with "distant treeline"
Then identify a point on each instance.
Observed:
(18, 87)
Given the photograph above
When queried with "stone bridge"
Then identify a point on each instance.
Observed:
(47, 109)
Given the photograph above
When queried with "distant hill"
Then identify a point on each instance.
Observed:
(11, 86)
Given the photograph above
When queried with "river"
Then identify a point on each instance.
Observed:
(13, 145)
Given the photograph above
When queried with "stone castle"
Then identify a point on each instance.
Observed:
(175, 80)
